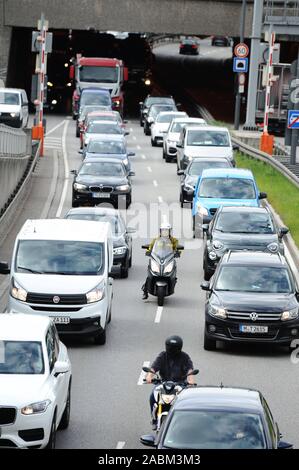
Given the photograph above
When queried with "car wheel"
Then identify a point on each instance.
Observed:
(65, 420)
(75, 204)
(74, 117)
(153, 142)
(141, 123)
(167, 159)
(100, 339)
(209, 344)
(128, 201)
(52, 439)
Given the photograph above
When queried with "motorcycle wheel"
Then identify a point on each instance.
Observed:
(160, 295)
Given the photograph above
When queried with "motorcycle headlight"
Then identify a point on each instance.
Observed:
(202, 210)
(120, 250)
(17, 292)
(273, 247)
(123, 187)
(80, 187)
(169, 267)
(218, 245)
(35, 408)
(289, 314)
(217, 311)
(167, 399)
(96, 294)
(155, 266)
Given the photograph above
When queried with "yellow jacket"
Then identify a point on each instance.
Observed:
(174, 242)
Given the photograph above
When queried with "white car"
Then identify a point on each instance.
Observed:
(14, 108)
(35, 382)
(173, 135)
(160, 127)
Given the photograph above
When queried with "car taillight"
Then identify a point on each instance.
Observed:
(194, 46)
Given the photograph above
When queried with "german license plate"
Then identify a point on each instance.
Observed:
(61, 320)
(101, 195)
(254, 329)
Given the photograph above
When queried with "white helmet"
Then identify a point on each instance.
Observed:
(165, 230)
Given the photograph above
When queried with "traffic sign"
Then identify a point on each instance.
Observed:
(240, 65)
(241, 50)
(293, 119)
(242, 79)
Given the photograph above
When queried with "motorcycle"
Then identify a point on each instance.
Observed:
(165, 393)
(162, 278)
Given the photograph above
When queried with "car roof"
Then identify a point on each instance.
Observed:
(246, 209)
(11, 90)
(209, 159)
(107, 159)
(212, 397)
(61, 229)
(208, 128)
(108, 137)
(254, 258)
(94, 211)
(102, 121)
(188, 119)
(23, 327)
(164, 113)
(227, 173)
(102, 113)
(102, 91)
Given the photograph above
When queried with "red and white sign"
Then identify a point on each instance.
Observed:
(241, 50)
(242, 78)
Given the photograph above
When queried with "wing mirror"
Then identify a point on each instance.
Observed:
(283, 231)
(132, 173)
(61, 367)
(180, 172)
(205, 286)
(4, 268)
(236, 147)
(131, 154)
(148, 440)
(283, 445)
(263, 196)
(127, 133)
(205, 228)
(74, 172)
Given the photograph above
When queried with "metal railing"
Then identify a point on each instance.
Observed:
(281, 11)
(14, 142)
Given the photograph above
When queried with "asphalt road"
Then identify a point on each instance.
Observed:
(206, 50)
(109, 408)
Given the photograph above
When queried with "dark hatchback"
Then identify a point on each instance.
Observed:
(240, 228)
(218, 418)
(193, 172)
(102, 180)
(252, 297)
(149, 100)
(189, 46)
(122, 239)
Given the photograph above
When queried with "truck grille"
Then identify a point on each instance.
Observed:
(7, 416)
(48, 299)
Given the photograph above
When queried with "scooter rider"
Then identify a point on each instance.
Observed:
(172, 364)
(165, 232)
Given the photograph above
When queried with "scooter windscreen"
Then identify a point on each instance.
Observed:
(162, 248)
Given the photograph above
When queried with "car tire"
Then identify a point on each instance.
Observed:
(128, 201)
(161, 296)
(167, 159)
(100, 339)
(75, 203)
(153, 142)
(52, 439)
(74, 117)
(65, 419)
(209, 344)
(141, 123)
(124, 272)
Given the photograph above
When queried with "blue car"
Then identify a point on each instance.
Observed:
(223, 187)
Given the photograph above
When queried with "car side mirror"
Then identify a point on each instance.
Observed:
(80, 152)
(263, 196)
(179, 145)
(145, 247)
(148, 440)
(4, 268)
(180, 247)
(236, 147)
(180, 172)
(127, 133)
(61, 367)
(205, 228)
(132, 173)
(131, 154)
(284, 445)
(205, 286)
(131, 230)
(125, 121)
(74, 172)
(283, 231)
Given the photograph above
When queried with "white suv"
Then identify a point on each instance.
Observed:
(14, 109)
(160, 127)
(35, 382)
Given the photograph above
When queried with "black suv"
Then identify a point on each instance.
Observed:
(253, 297)
(240, 228)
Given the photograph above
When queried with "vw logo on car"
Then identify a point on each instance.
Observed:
(253, 316)
(56, 299)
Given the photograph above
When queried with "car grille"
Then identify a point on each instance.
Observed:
(272, 334)
(56, 309)
(7, 416)
(101, 189)
(213, 211)
(246, 316)
(48, 299)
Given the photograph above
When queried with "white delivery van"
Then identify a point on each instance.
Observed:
(14, 108)
(60, 268)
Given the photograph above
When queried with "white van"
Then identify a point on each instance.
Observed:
(14, 109)
(60, 268)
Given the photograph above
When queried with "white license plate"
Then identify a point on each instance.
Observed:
(101, 195)
(254, 329)
(61, 320)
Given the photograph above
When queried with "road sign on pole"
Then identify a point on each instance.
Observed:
(240, 65)
(293, 119)
(241, 50)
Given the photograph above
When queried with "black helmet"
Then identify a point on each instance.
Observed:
(174, 345)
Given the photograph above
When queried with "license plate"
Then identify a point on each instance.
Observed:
(101, 195)
(61, 320)
(254, 329)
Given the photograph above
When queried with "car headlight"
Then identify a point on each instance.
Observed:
(80, 187)
(273, 247)
(15, 115)
(169, 267)
(96, 294)
(167, 399)
(289, 314)
(155, 266)
(120, 250)
(218, 245)
(17, 292)
(217, 311)
(171, 142)
(35, 408)
(124, 187)
(212, 255)
(202, 210)
(116, 102)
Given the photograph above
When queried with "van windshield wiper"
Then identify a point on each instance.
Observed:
(33, 271)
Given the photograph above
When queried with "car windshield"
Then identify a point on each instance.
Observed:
(69, 257)
(196, 168)
(102, 169)
(244, 222)
(162, 247)
(157, 99)
(117, 226)
(93, 74)
(106, 147)
(227, 188)
(95, 99)
(21, 357)
(206, 138)
(208, 429)
(257, 279)
(103, 128)
(155, 110)
(9, 98)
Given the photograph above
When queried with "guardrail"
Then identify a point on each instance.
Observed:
(170, 38)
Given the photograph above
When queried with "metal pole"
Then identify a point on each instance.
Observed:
(254, 63)
(238, 95)
(295, 132)
(269, 82)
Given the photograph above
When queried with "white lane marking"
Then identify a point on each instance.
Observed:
(134, 137)
(143, 157)
(138, 147)
(143, 374)
(131, 129)
(160, 199)
(46, 208)
(155, 183)
(120, 445)
(159, 314)
(149, 169)
(55, 128)
(66, 170)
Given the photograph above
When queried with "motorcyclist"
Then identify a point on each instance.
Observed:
(172, 364)
(165, 232)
